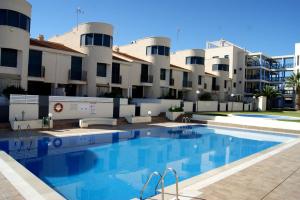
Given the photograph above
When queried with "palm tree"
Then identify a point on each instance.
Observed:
(270, 92)
(294, 81)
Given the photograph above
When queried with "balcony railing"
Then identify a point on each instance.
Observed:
(257, 77)
(116, 80)
(171, 82)
(147, 79)
(77, 76)
(187, 84)
(40, 74)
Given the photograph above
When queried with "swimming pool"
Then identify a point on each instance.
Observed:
(116, 165)
(275, 117)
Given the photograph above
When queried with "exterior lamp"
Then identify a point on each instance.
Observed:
(197, 92)
(149, 112)
(232, 95)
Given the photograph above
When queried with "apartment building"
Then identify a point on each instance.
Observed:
(84, 62)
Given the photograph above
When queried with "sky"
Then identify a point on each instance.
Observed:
(269, 26)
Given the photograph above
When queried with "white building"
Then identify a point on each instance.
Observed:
(84, 62)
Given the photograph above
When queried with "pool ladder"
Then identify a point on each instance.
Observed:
(160, 182)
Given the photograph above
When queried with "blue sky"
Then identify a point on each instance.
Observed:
(270, 26)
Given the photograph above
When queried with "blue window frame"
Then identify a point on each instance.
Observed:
(98, 39)
(76, 68)
(158, 50)
(101, 69)
(194, 60)
(89, 39)
(9, 57)
(35, 63)
(15, 19)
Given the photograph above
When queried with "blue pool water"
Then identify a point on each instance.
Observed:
(115, 166)
(276, 117)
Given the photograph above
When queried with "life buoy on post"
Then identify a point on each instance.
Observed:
(58, 107)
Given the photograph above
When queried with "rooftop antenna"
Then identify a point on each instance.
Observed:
(177, 33)
(78, 12)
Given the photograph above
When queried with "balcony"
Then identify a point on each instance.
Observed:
(39, 73)
(171, 82)
(116, 80)
(75, 76)
(147, 79)
(187, 84)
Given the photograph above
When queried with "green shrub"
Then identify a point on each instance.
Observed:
(175, 109)
(205, 97)
(13, 90)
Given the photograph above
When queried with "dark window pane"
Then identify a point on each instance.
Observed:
(225, 83)
(35, 63)
(3, 17)
(161, 50)
(23, 21)
(98, 39)
(89, 39)
(199, 80)
(76, 68)
(9, 57)
(167, 51)
(154, 50)
(101, 69)
(13, 18)
(162, 74)
(106, 41)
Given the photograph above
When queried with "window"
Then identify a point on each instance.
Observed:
(298, 60)
(101, 69)
(76, 68)
(225, 83)
(240, 82)
(241, 69)
(220, 67)
(234, 84)
(89, 39)
(161, 50)
(158, 50)
(215, 57)
(98, 38)
(35, 63)
(194, 60)
(234, 71)
(15, 19)
(205, 85)
(199, 80)
(106, 41)
(226, 56)
(9, 57)
(162, 74)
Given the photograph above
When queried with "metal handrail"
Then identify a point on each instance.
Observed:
(148, 181)
(176, 177)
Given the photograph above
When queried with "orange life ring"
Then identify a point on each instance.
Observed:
(58, 107)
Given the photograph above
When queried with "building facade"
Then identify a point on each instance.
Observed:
(84, 62)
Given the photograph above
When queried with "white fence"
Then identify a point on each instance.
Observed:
(23, 107)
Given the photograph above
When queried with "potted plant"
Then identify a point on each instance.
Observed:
(174, 112)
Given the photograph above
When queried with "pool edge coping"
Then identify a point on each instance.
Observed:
(194, 184)
(26, 183)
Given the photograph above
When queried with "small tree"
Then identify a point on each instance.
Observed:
(13, 90)
(294, 82)
(270, 92)
(206, 97)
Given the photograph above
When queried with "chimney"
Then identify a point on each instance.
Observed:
(41, 37)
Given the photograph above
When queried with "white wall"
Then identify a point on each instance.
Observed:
(223, 107)
(188, 106)
(31, 111)
(207, 106)
(127, 110)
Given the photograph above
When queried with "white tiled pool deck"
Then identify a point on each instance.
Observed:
(273, 174)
